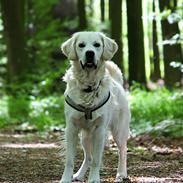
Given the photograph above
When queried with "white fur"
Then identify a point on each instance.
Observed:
(114, 115)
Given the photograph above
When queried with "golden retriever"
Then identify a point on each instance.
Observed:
(95, 102)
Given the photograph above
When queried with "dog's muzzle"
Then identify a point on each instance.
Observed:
(90, 60)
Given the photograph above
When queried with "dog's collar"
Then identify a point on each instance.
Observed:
(87, 111)
(91, 89)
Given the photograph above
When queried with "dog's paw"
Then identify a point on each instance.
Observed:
(76, 178)
(120, 178)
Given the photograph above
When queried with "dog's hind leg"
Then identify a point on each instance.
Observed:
(87, 148)
(120, 132)
(122, 152)
(122, 170)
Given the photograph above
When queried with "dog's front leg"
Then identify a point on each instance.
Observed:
(71, 143)
(87, 147)
(98, 146)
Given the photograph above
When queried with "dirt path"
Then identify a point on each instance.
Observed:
(38, 159)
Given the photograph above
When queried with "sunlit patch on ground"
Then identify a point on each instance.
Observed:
(155, 179)
(32, 146)
(167, 150)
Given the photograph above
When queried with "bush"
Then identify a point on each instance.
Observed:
(153, 112)
(150, 109)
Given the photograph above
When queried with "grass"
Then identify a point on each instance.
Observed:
(159, 111)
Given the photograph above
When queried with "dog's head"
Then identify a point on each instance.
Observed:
(89, 48)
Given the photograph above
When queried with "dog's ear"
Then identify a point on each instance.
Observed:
(68, 49)
(110, 47)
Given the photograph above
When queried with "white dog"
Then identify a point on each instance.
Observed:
(95, 101)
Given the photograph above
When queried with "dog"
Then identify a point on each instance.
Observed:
(95, 102)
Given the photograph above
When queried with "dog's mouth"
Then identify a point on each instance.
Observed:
(88, 64)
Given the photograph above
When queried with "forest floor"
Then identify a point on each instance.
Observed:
(35, 158)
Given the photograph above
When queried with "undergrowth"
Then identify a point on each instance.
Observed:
(157, 112)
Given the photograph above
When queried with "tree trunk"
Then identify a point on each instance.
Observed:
(156, 74)
(91, 7)
(171, 52)
(110, 10)
(82, 15)
(14, 32)
(13, 14)
(102, 10)
(116, 29)
(135, 42)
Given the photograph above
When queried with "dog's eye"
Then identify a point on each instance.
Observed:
(81, 45)
(96, 45)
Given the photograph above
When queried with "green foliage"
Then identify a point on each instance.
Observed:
(18, 107)
(150, 110)
(42, 113)
(172, 15)
(47, 113)
(156, 112)
(46, 33)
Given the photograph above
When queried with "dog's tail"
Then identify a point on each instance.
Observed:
(114, 71)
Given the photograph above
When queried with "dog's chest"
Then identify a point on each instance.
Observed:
(82, 123)
(80, 120)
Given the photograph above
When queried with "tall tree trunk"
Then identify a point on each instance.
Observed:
(136, 42)
(102, 10)
(13, 20)
(13, 15)
(82, 15)
(170, 52)
(116, 30)
(156, 74)
(91, 7)
(110, 10)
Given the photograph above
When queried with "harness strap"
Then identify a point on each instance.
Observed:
(87, 111)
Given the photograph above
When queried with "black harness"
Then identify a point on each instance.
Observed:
(87, 111)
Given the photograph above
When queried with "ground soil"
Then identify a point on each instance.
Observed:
(35, 158)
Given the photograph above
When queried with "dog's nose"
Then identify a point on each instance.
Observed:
(90, 55)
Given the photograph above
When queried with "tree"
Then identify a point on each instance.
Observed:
(135, 42)
(102, 10)
(91, 8)
(82, 15)
(171, 52)
(116, 29)
(13, 15)
(156, 74)
(14, 32)
(110, 10)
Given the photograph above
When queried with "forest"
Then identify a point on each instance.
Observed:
(150, 39)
